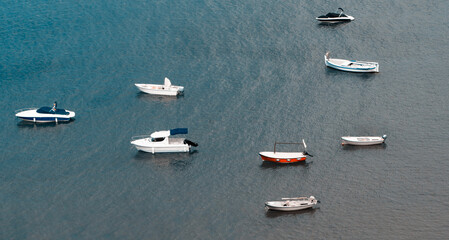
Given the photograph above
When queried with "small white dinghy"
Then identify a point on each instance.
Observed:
(363, 141)
(167, 89)
(335, 17)
(351, 65)
(292, 204)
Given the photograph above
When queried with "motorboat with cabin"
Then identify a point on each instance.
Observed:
(167, 89)
(351, 65)
(363, 141)
(45, 114)
(335, 17)
(292, 204)
(161, 142)
(285, 157)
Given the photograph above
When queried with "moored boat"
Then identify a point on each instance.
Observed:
(285, 157)
(167, 89)
(292, 204)
(45, 114)
(161, 142)
(335, 17)
(351, 65)
(363, 141)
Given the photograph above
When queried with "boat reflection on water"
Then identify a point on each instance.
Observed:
(330, 72)
(179, 160)
(27, 124)
(159, 98)
(273, 165)
(348, 147)
(275, 214)
(331, 24)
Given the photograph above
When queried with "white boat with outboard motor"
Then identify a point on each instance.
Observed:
(285, 157)
(167, 89)
(45, 114)
(161, 142)
(363, 141)
(335, 17)
(292, 204)
(351, 65)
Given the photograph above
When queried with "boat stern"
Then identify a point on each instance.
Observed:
(180, 90)
(377, 67)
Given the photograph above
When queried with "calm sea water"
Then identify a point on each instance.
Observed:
(254, 74)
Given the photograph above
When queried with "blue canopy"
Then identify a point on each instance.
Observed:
(48, 110)
(179, 131)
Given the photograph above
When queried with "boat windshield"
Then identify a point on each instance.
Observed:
(157, 139)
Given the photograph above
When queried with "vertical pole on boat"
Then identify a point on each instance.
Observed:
(34, 119)
(56, 119)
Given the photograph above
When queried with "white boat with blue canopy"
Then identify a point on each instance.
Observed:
(45, 114)
(161, 142)
(351, 65)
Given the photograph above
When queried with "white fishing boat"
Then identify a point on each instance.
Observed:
(167, 89)
(335, 17)
(161, 142)
(45, 114)
(351, 65)
(363, 141)
(286, 157)
(292, 204)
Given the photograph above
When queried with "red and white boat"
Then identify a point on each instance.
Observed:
(285, 157)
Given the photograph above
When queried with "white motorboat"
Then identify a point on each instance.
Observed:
(335, 17)
(167, 89)
(161, 142)
(292, 204)
(363, 141)
(45, 114)
(351, 65)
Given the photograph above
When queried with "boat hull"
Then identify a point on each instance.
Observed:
(45, 120)
(291, 204)
(179, 149)
(146, 146)
(336, 19)
(352, 66)
(160, 89)
(362, 141)
(33, 116)
(288, 209)
(283, 157)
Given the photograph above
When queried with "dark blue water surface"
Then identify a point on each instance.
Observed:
(254, 74)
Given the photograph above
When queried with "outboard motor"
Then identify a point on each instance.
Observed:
(308, 154)
(384, 137)
(186, 141)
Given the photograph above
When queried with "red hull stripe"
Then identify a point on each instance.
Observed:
(282, 160)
